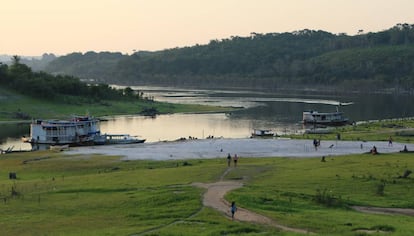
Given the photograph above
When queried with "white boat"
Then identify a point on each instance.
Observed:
(324, 118)
(117, 139)
(80, 130)
(59, 147)
(262, 133)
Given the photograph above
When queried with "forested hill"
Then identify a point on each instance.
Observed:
(20, 78)
(298, 59)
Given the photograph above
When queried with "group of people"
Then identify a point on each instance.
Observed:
(235, 159)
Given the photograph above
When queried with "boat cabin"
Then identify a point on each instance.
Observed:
(76, 131)
(262, 133)
(326, 118)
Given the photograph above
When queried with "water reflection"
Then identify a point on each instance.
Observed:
(280, 112)
(175, 126)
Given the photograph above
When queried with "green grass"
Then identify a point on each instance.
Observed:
(401, 130)
(57, 194)
(289, 191)
(12, 103)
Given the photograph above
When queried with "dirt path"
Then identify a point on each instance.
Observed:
(385, 211)
(214, 198)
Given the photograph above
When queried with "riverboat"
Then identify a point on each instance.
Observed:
(80, 130)
(324, 118)
(262, 133)
(117, 139)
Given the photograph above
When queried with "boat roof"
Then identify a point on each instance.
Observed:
(73, 120)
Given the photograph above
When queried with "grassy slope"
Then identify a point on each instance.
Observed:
(288, 189)
(401, 130)
(97, 195)
(10, 103)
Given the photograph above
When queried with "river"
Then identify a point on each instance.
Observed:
(280, 112)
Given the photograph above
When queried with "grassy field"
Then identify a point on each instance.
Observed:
(55, 194)
(11, 104)
(400, 130)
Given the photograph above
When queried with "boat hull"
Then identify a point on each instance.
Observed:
(327, 123)
(116, 139)
(127, 142)
(262, 133)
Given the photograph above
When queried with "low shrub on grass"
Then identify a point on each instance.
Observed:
(327, 198)
(380, 188)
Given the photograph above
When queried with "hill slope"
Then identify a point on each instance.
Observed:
(275, 60)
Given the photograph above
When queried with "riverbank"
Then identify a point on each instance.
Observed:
(216, 148)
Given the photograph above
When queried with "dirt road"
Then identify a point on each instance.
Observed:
(386, 211)
(214, 198)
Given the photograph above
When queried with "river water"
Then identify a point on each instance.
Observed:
(280, 112)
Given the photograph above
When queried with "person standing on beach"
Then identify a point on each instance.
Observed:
(390, 142)
(235, 159)
(315, 144)
(228, 159)
(233, 209)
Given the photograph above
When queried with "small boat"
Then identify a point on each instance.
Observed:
(324, 118)
(59, 147)
(117, 139)
(262, 133)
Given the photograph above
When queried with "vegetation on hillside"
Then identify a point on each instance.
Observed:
(274, 60)
(19, 77)
(25, 94)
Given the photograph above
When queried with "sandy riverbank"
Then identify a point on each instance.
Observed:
(213, 148)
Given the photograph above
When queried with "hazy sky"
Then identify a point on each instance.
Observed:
(34, 27)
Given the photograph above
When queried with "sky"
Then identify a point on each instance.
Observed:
(34, 27)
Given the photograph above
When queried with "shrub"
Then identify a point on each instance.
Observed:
(327, 198)
(380, 188)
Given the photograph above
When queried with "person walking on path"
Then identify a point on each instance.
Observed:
(228, 160)
(235, 159)
(233, 209)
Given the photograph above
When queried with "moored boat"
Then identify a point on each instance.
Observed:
(117, 139)
(59, 147)
(324, 118)
(263, 133)
(80, 130)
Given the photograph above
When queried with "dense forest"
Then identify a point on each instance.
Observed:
(300, 59)
(41, 85)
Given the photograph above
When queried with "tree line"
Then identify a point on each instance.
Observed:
(275, 60)
(19, 77)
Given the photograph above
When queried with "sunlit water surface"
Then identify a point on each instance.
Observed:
(280, 112)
